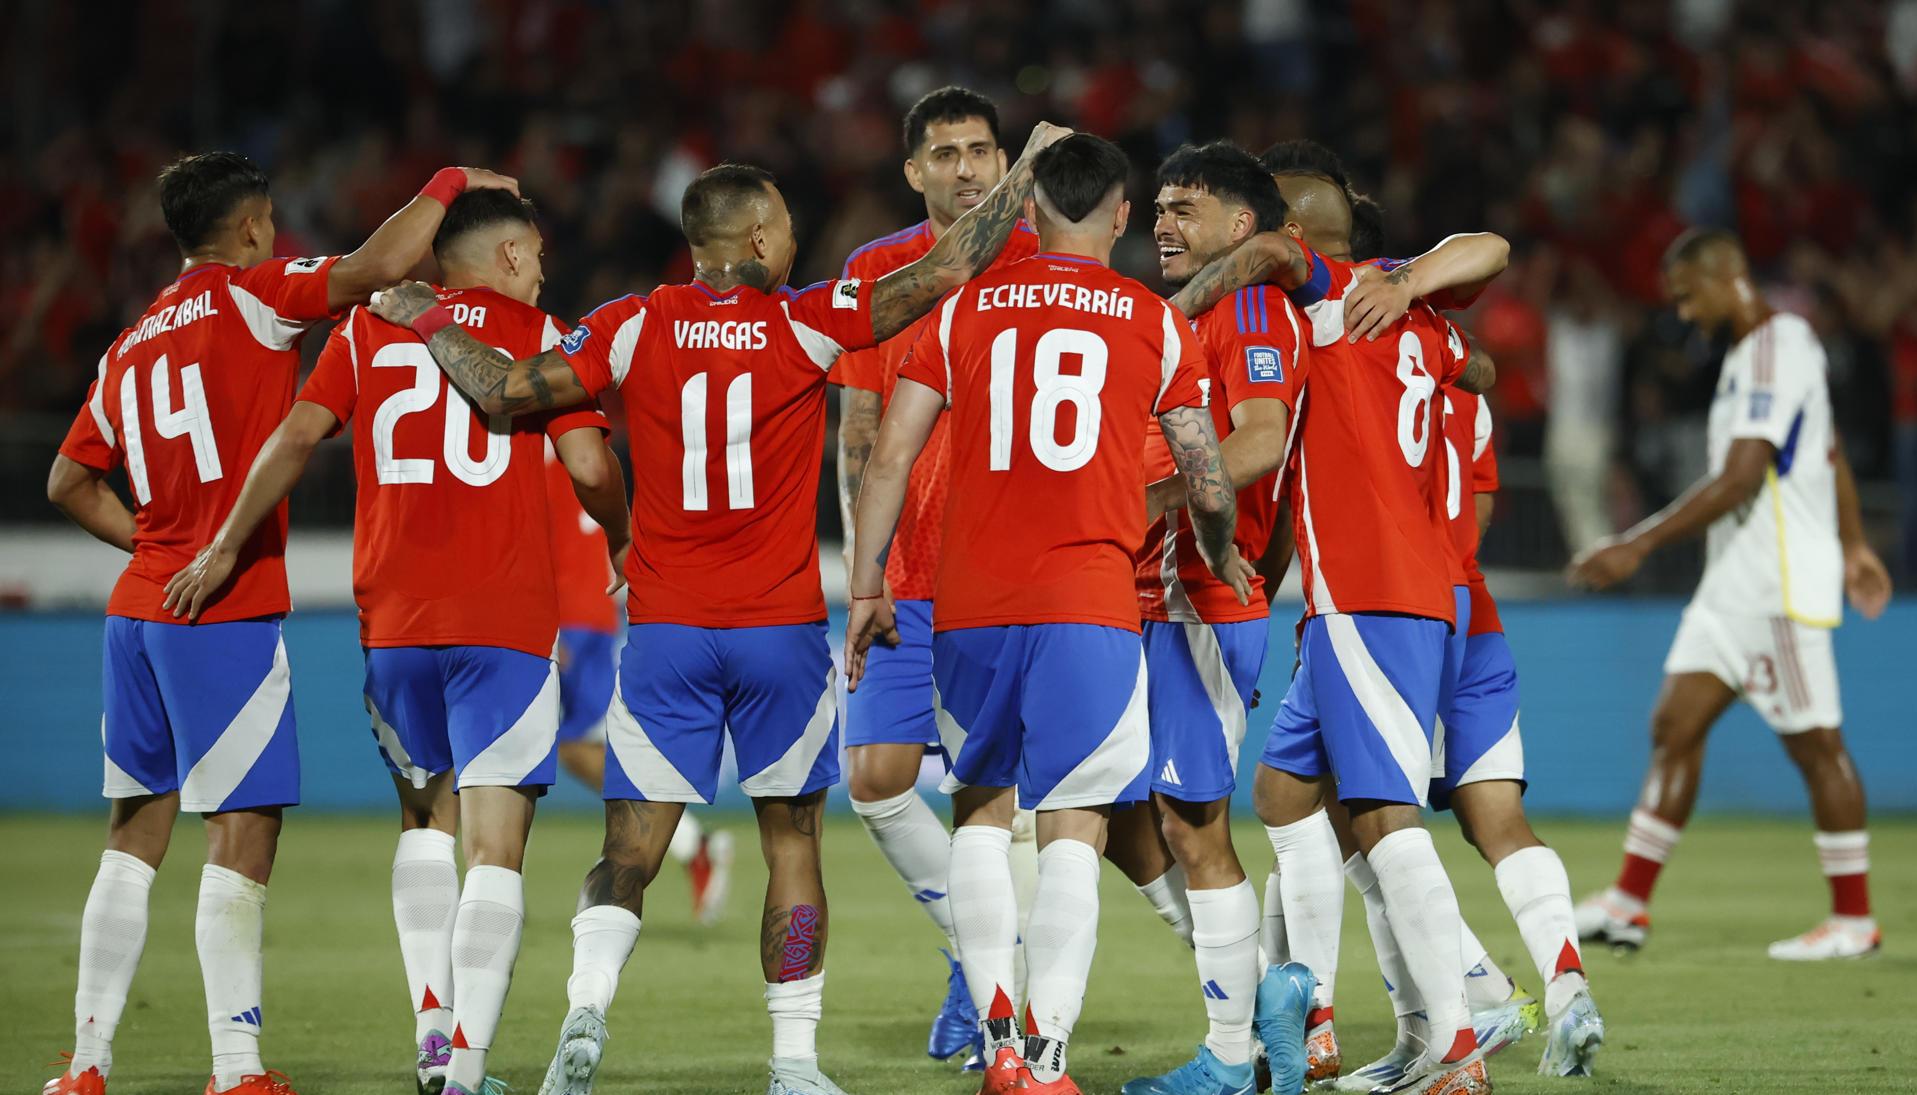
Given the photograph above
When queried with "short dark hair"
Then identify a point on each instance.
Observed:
(947, 104)
(1078, 172)
(1367, 227)
(1228, 173)
(1692, 244)
(198, 192)
(716, 193)
(476, 209)
(1306, 157)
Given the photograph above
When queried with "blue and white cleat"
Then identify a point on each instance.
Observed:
(582, 1043)
(1284, 1000)
(1500, 1026)
(1202, 1075)
(955, 1027)
(975, 1061)
(491, 1085)
(1573, 1039)
(1383, 1072)
(799, 1078)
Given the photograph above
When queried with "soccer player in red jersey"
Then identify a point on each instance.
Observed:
(953, 158)
(727, 614)
(199, 717)
(1048, 366)
(588, 657)
(463, 692)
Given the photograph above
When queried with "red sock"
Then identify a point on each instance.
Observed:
(1647, 844)
(1638, 876)
(1845, 858)
(1850, 894)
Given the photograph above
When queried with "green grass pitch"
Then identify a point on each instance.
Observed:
(1701, 1010)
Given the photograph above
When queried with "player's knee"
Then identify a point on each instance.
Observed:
(1817, 750)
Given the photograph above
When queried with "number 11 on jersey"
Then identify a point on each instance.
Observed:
(692, 427)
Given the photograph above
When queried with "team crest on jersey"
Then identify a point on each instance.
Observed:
(574, 339)
(304, 266)
(1760, 405)
(846, 294)
(1264, 365)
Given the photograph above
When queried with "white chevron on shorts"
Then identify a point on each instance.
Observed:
(119, 783)
(787, 775)
(524, 746)
(1208, 655)
(388, 738)
(1505, 760)
(648, 768)
(217, 774)
(1109, 769)
(1396, 723)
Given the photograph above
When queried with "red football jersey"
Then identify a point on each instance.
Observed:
(729, 392)
(1366, 490)
(912, 567)
(450, 542)
(184, 399)
(1048, 366)
(1473, 464)
(579, 560)
(1254, 348)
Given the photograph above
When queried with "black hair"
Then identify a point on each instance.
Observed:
(1693, 243)
(1306, 157)
(1367, 227)
(1228, 173)
(716, 193)
(1078, 172)
(947, 104)
(198, 192)
(476, 209)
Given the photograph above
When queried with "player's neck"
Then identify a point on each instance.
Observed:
(724, 273)
(1083, 245)
(1751, 314)
(214, 257)
(935, 224)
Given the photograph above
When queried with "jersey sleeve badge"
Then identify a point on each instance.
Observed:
(1264, 365)
(574, 339)
(846, 294)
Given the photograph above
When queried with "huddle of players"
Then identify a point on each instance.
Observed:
(1038, 594)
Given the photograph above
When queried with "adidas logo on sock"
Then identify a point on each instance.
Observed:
(1477, 971)
(1213, 992)
(251, 1017)
(927, 896)
(1170, 775)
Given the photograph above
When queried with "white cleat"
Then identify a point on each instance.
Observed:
(797, 1078)
(1383, 1072)
(1836, 937)
(1613, 919)
(1573, 1037)
(582, 1043)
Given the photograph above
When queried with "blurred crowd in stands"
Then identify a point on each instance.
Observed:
(1587, 132)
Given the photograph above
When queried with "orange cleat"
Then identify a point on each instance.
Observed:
(1322, 1059)
(87, 1081)
(1061, 1086)
(1006, 1074)
(265, 1083)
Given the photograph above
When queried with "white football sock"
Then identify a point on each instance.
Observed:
(425, 897)
(1167, 896)
(1024, 888)
(1312, 885)
(1273, 948)
(1225, 937)
(1063, 938)
(1423, 912)
(985, 922)
(795, 1007)
(1486, 985)
(1405, 1000)
(602, 940)
(112, 935)
(1538, 893)
(492, 912)
(687, 839)
(227, 929)
(914, 841)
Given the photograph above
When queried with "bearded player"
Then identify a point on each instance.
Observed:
(462, 689)
(727, 616)
(199, 716)
(1785, 543)
(953, 158)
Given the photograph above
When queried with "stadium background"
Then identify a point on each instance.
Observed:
(1588, 134)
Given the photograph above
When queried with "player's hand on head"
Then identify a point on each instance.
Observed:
(478, 178)
(1866, 581)
(403, 303)
(1606, 563)
(188, 591)
(1376, 302)
(1044, 135)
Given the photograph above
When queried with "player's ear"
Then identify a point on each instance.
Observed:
(1031, 210)
(912, 178)
(760, 247)
(1124, 218)
(1244, 225)
(509, 256)
(1294, 230)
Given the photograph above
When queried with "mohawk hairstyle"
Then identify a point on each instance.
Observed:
(1306, 157)
(716, 194)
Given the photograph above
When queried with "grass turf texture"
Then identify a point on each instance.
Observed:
(1702, 1009)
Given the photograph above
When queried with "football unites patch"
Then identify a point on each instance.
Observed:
(1264, 365)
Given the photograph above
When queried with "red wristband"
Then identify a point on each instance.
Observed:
(872, 597)
(447, 183)
(431, 321)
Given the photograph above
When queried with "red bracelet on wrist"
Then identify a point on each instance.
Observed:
(872, 597)
(447, 183)
(431, 321)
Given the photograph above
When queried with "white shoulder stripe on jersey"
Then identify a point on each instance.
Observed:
(625, 343)
(1297, 339)
(1168, 356)
(97, 404)
(1317, 590)
(270, 329)
(352, 344)
(1327, 317)
(1481, 429)
(817, 344)
(945, 345)
(549, 335)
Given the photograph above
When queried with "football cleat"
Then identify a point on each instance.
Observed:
(1614, 920)
(87, 1081)
(1460, 1072)
(711, 874)
(955, 1027)
(1061, 1086)
(491, 1085)
(1383, 1072)
(1529, 1006)
(582, 1044)
(1836, 937)
(799, 1078)
(1500, 1026)
(1278, 1021)
(263, 1083)
(1576, 1034)
(435, 1053)
(1322, 1059)
(1202, 1075)
(1003, 1077)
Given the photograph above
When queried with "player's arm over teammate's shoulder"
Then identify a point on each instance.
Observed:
(395, 247)
(1266, 258)
(496, 386)
(1450, 275)
(963, 250)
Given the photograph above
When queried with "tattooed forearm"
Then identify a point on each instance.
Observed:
(1268, 257)
(972, 242)
(499, 386)
(858, 427)
(1480, 372)
(1209, 494)
(637, 835)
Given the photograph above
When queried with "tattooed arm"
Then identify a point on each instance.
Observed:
(908, 422)
(858, 427)
(1480, 371)
(1268, 257)
(1461, 266)
(1209, 495)
(495, 384)
(966, 248)
(1259, 429)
